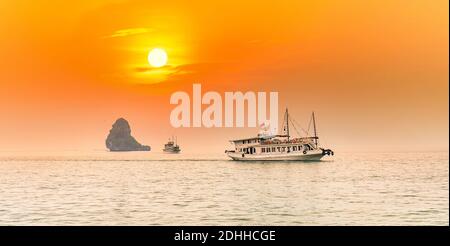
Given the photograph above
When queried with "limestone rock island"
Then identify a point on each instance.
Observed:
(120, 139)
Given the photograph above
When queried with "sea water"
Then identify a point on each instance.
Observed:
(147, 188)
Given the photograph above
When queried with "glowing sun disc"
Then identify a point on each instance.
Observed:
(157, 57)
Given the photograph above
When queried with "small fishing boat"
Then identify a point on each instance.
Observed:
(171, 146)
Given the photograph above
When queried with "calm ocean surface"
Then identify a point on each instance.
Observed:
(146, 188)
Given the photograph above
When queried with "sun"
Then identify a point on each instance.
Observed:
(157, 57)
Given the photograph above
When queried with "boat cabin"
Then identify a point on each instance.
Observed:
(260, 145)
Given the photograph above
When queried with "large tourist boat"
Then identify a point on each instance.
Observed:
(268, 147)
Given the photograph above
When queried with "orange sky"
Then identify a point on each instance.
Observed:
(375, 72)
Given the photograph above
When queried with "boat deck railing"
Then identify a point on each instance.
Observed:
(307, 140)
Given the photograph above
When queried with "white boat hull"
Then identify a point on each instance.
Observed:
(314, 155)
(171, 151)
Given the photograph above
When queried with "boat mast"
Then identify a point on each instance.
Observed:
(287, 124)
(315, 131)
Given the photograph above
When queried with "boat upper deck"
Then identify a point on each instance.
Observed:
(274, 140)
